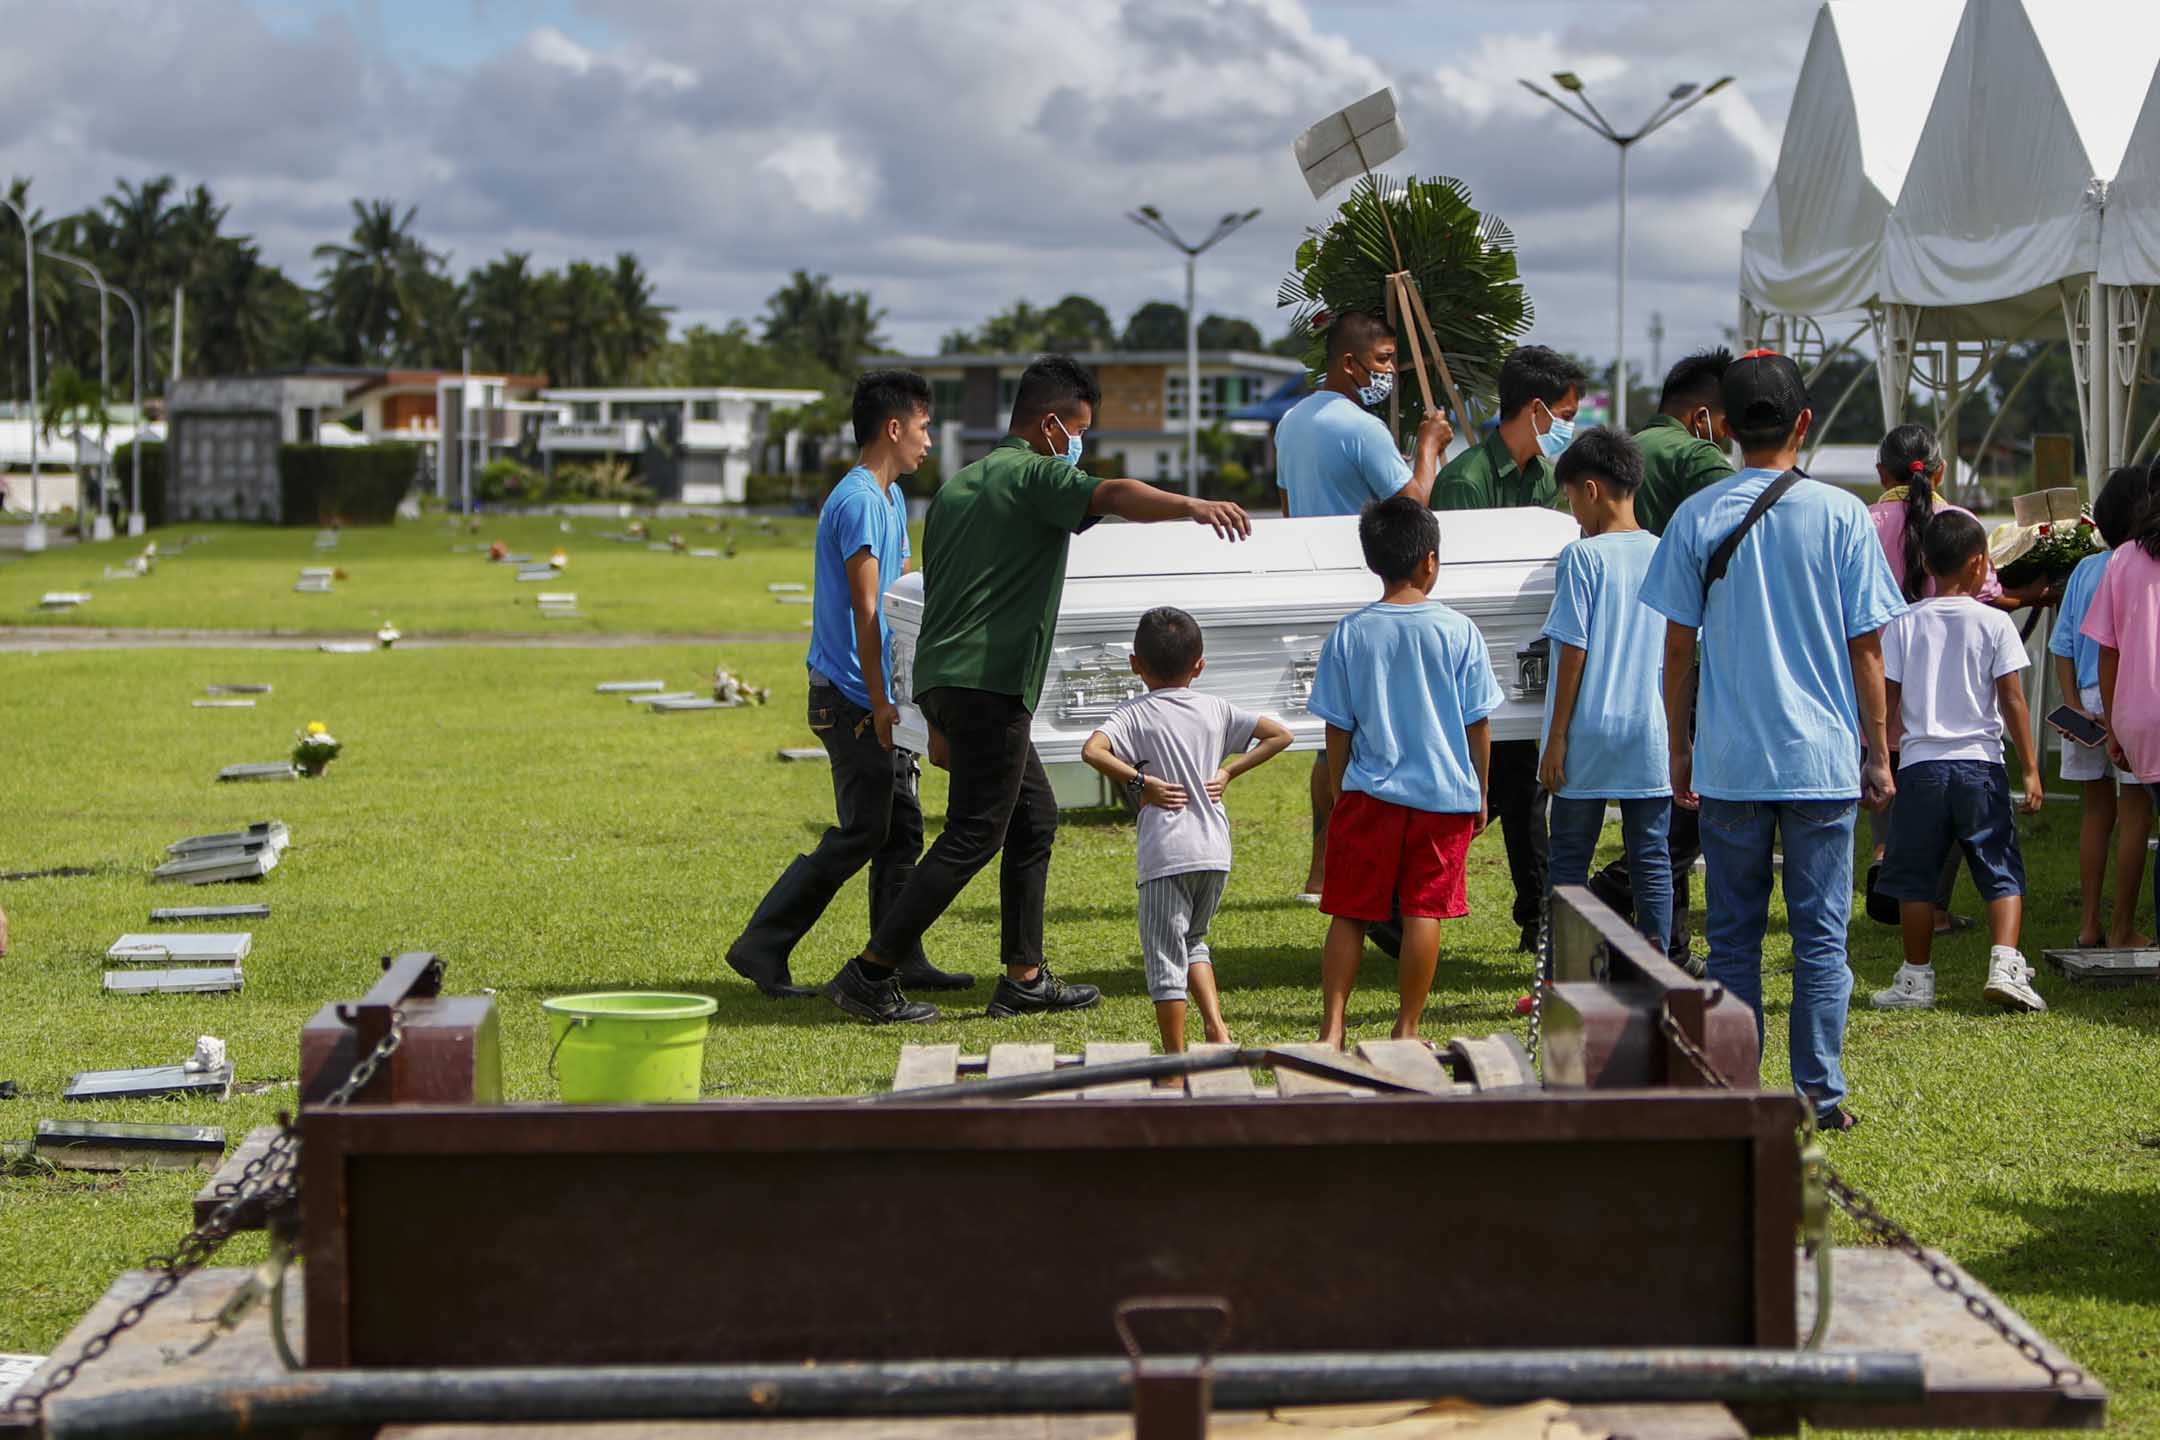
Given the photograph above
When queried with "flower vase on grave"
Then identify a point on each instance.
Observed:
(314, 749)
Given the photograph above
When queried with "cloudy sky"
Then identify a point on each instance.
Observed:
(946, 155)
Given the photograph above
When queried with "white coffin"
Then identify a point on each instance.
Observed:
(1265, 606)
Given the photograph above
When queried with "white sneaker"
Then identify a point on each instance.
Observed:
(2009, 982)
(1914, 989)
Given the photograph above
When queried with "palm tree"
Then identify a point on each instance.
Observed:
(505, 300)
(581, 316)
(243, 318)
(133, 243)
(809, 316)
(640, 326)
(370, 285)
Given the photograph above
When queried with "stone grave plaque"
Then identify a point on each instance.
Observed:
(112, 574)
(263, 832)
(212, 867)
(556, 597)
(804, 753)
(222, 704)
(204, 980)
(786, 587)
(705, 554)
(64, 599)
(311, 587)
(211, 912)
(318, 572)
(149, 1081)
(108, 1145)
(347, 647)
(660, 545)
(2105, 967)
(559, 612)
(652, 698)
(793, 599)
(544, 572)
(631, 687)
(180, 948)
(238, 687)
(269, 770)
(695, 702)
(516, 560)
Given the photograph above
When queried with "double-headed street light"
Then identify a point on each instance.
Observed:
(1148, 218)
(101, 530)
(1682, 99)
(34, 532)
(105, 289)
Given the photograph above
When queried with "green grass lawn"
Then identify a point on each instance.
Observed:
(545, 839)
(411, 573)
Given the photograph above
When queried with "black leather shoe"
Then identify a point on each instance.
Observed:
(1528, 944)
(877, 1001)
(920, 974)
(773, 981)
(1045, 994)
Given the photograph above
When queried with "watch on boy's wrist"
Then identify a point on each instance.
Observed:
(1137, 786)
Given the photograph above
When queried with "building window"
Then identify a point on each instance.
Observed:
(1162, 465)
(947, 397)
(1216, 392)
(306, 421)
(585, 411)
(761, 416)
(704, 409)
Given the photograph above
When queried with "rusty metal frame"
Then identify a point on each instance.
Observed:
(418, 1220)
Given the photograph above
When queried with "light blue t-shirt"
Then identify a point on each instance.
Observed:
(1616, 735)
(2069, 639)
(1332, 455)
(858, 515)
(1777, 718)
(1406, 681)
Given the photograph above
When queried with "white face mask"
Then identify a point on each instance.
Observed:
(1072, 444)
(1555, 440)
(1709, 427)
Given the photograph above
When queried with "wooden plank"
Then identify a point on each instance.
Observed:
(1295, 1084)
(1029, 1059)
(1104, 1052)
(247, 1152)
(922, 1066)
(1408, 1062)
(1233, 1084)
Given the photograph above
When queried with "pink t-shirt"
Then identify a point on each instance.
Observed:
(2125, 617)
(1890, 529)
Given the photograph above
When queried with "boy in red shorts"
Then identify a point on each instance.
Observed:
(1405, 686)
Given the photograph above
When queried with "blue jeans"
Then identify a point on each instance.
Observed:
(1576, 825)
(1739, 837)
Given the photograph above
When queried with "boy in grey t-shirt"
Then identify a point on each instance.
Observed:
(1166, 748)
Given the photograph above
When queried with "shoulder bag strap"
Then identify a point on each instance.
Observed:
(1721, 558)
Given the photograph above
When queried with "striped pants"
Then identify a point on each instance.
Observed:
(1175, 911)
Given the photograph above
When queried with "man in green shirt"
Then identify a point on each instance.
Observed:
(1680, 457)
(1680, 453)
(993, 572)
(1540, 391)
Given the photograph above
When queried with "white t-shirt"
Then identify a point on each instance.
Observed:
(1183, 735)
(1947, 653)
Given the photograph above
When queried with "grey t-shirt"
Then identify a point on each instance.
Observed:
(1183, 735)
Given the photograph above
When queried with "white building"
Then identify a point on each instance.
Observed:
(696, 444)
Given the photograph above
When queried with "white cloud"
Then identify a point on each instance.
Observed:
(823, 180)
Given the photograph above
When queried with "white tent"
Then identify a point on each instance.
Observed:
(2019, 208)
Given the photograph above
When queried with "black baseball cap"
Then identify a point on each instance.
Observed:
(1764, 391)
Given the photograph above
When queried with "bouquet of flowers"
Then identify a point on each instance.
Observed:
(389, 635)
(731, 689)
(314, 748)
(2050, 534)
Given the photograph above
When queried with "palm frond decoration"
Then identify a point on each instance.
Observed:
(1462, 262)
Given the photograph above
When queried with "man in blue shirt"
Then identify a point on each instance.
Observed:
(1792, 685)
(1332, 454)
(861, 549)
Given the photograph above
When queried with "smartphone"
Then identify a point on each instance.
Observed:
(2081, 728)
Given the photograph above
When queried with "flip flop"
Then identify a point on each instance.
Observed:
(1880, 907)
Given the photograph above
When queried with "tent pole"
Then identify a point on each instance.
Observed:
(2100, 373)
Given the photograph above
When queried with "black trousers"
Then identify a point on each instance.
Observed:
(879, 824)
(999, 799)
(1519, 805)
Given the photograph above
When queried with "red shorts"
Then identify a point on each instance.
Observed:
(1380, 853)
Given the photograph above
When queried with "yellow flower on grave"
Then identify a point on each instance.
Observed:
(316, 727)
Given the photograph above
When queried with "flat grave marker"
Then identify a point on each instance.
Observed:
(222, 704)
(803, 753)
(347, 647)
(693, 703)
(238, 687)
(630, 687)
(210, 912)
(180, 948)
(203, 980)
(211, 867)
(107, 1145)
(64, 599)
(263, 832)
(794, 599)
(267, 770)
(556, 597)
(662, 697)
(318, 572)
(786, 587)
(149, 1082)
(2105, 967)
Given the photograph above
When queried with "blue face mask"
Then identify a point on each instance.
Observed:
(1376, 391)
(1072, 444)
(1562, 434)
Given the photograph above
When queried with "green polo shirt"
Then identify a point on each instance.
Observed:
(994, 570)
(1485, 477)
(1675, 466)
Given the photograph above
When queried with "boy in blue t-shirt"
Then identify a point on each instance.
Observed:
(1405, 686)
(861, 549)
(2126, 816)
(1605, 722)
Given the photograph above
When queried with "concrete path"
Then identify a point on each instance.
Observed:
(21, 639)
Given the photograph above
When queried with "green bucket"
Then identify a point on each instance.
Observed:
(627, 1046)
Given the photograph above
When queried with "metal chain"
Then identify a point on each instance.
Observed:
(271, 1177)
(1856, 1203)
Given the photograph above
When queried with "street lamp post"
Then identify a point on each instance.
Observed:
(1682, 99)
(135, 511)
(34, 532)
(102, 528)
(1148, 218)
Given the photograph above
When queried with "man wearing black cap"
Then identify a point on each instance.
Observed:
(1788, 585)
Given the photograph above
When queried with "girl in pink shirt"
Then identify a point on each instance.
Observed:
(2125, 620)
